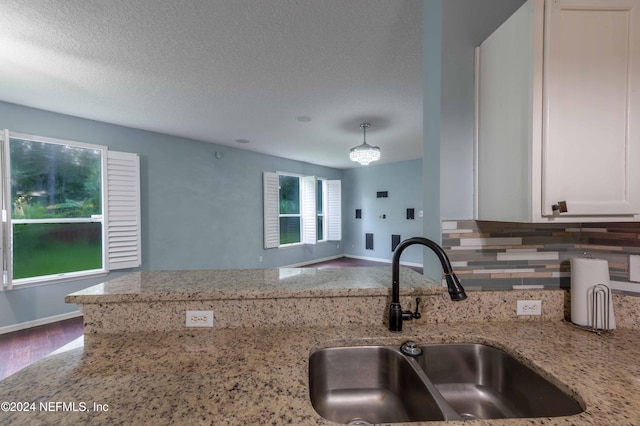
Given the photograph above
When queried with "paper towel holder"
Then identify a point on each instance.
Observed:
(601, 293)
(600, 298)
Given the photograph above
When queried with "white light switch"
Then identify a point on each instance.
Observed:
(634, 268)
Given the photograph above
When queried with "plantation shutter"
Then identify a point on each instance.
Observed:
(5, 225)
(271, 194)
(309, 210)
(334, 210)
(123, 211)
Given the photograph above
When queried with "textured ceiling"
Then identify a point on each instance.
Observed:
(220, 70)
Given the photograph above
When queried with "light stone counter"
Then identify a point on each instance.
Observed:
(252, 367)
(155, 286)
(158, 300)
(258, 376)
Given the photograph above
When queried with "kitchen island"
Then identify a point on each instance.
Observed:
(258, 374)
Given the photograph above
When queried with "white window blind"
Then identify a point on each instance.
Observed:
(309, 210)
(271, 194)
(123, 210)
(309, 232)
(105, 215)
(334, 210)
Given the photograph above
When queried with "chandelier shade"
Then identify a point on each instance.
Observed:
(364, 153)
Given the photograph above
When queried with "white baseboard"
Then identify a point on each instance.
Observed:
(39, 321)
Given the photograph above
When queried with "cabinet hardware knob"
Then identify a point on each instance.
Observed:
(561, 207)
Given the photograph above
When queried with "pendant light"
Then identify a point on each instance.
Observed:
(365, 153)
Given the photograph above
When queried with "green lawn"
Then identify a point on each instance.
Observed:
(56, 258)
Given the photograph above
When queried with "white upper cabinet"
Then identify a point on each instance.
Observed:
(558, 114)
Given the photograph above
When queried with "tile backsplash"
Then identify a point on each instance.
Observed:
(500, 255)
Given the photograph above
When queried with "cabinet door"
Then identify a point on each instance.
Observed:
(590, 148)
(508, 116)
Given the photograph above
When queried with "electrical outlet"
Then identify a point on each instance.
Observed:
(529, 307)
(199, 319)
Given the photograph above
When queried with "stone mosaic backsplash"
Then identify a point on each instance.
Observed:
(500, 255)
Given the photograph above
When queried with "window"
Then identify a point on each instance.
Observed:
(290, 211)
(320, 207)
(71, 209)
(300, 209)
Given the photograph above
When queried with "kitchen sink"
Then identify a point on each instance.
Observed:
(482, 382)
(362, 385)
(369, 384)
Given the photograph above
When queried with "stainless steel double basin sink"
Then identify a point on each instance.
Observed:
(363, 385)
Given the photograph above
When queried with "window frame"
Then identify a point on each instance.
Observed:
(300, 209)
(309, 214)
(130, 204)
(321, 212)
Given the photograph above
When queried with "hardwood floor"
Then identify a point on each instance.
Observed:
(21, 348)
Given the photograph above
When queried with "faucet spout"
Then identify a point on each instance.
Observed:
(456, 291)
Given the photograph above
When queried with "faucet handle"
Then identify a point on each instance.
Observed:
(408, 315)
(416, 313)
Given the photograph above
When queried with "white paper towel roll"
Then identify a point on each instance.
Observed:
(585, 275)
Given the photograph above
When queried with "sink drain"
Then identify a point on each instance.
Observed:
(358, 422)
(467, 416)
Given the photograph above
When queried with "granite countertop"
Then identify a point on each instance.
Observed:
(254, 371)
(155, 286)
(260, 375)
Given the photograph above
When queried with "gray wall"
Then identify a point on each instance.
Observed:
(402, 181)
(198, 212)
(465, 24)
(452, 30)
(432, 118)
